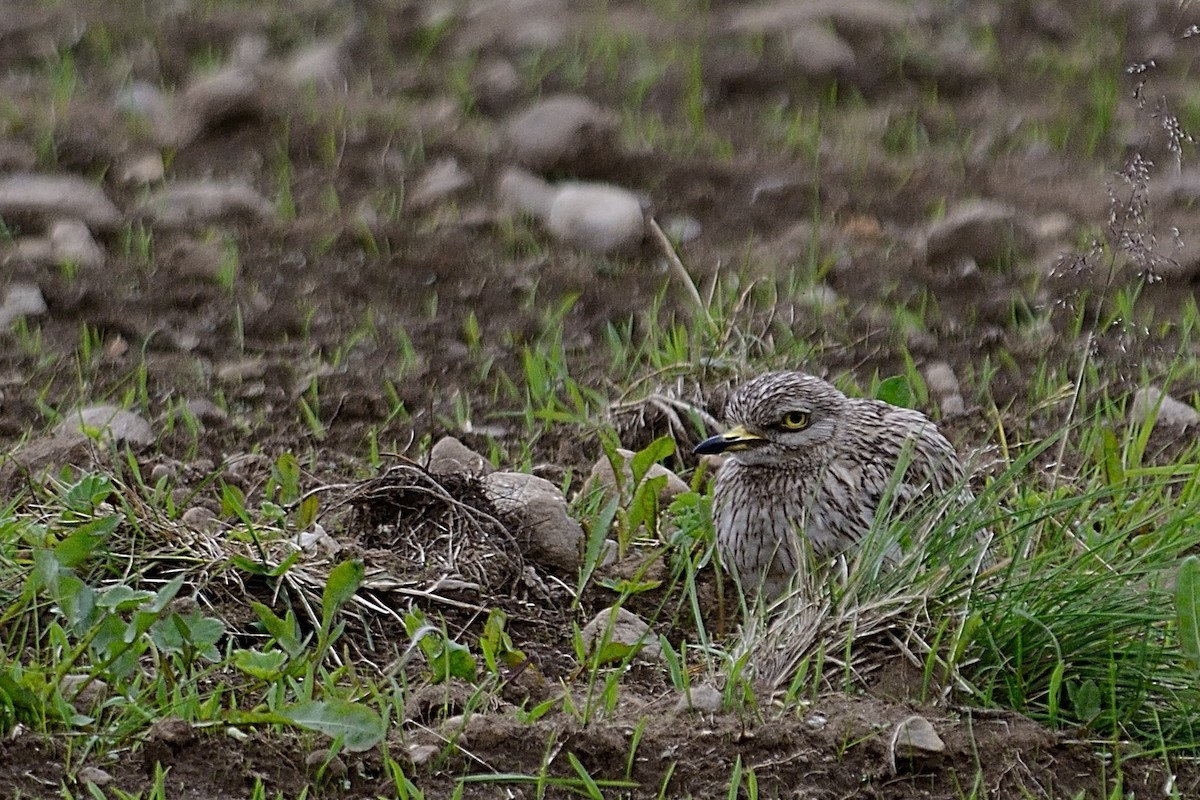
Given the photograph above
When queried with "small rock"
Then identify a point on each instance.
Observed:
(319, 64)
(616, 625)
(172, 731)
(57, 197)
(681, 228)
(238, 91)
(848, 16)
(142, 169)
(206, 411)
(562, 132)
(48, 454)
(161, 472)
(442, 179)
(701, 699)
(914, 739)
(602, 477)
(1170, 411)
(943, 385)
(198, 518)
(549, 536)
(108, 422)
(21, 300)
(84, 695)
(93, 775)
(335, 768)
(203, 202)
(449, 456)
(72, 243)
(496, 84)
(597, 217)
(818, 52)
(421, 754)
(144, 99)
(984, 230)
(521, 192)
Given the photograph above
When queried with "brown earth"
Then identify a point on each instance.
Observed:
(364, 314)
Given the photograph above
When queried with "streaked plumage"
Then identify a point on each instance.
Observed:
(805, 459)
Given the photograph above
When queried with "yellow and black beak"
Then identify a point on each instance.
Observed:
(732, 440)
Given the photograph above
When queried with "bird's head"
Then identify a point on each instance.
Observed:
(777, 417)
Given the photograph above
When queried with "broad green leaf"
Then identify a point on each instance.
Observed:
(453, 660)
(360, 728)
(306, 514)
(264, 666)
(343, 582)
(1187, 608)
(895, 390)
(79, 546)
(651, 454)
(285, 631)
(287, 475)
(1085, 700)
(643, 509)
(120, 597)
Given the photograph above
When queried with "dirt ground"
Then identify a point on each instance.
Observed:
(396, 310)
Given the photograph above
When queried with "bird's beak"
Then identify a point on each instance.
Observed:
(736, 438)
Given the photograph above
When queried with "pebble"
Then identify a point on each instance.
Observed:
(335, 768)
(603, 478)
(818, 52)
(93, 775)
(142, 169)
(943, 386)
(548, 534)
(112, 423)
(561, 132)
(449, 456)
(599, 218)
(21, 300)
(198, 518)
(71, 243)
(442, 179)
(700, 699)
(206, 102)
(1170, 411)
(422, 754)
(319, 64)
(914, 738)
(57, 197)
(985, 231)
(853, 16)
(206, 201)
(619, 626)
(596, 217)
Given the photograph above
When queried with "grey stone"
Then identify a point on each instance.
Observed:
(548, 534)
(449, 456)
(603, 478)
(983, 230)
(57, 197)
(110, 423)
(71, 243)
(559, 131)
(914, 738)
(618, 626)
(206, 201)
(1170, 411)
(442, 179)
(701, 699)
(597, 217)
(21, 300)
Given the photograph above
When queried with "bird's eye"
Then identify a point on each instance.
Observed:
(794, 421)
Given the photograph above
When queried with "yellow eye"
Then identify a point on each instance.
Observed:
(795, 420)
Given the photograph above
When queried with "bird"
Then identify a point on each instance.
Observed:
(806, 462)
